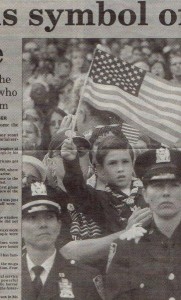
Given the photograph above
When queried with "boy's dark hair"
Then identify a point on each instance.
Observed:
(115, 129)
(112, 143)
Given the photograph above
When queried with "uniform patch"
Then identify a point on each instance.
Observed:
(162, 155)
(38, 188)
(66, 290)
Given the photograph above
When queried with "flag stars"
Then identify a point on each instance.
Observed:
(111, 70)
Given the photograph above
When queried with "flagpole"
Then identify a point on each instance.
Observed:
(82, 93)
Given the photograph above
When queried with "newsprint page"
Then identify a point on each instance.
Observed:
(90, 150)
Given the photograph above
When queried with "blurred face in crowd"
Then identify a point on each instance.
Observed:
(175, 66)
(32, 116)
(115, 49)
(163, 197)
(30, 135)
(77, 59)
(40, 230)
(65, 93)
(126, 53)
(156, 56)
(55, 122)
(118, 168)
(146, 51)
(39, 94)
(64, 69)
(52, 51)
(137, 54)
(158, 69)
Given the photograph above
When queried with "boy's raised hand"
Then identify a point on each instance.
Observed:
(68, 150)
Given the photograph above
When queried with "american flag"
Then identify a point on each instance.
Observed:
(149, 104)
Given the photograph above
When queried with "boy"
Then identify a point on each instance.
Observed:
(111, 208)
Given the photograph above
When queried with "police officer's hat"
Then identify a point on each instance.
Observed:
(159, 164)
(40, 197)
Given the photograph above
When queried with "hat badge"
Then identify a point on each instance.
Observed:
(162, 155)
(38, 188)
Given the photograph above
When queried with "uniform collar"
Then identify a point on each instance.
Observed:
(153, 232)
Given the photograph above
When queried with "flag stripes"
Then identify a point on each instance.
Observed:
(149, 104)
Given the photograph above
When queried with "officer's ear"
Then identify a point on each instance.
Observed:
(144, 192)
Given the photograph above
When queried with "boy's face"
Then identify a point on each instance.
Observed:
(118, 168)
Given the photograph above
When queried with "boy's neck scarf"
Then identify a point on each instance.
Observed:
(122, 202)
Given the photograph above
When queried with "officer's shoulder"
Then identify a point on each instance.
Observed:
(76, 264)
(82, 266)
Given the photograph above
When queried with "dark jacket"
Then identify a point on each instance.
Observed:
(107, 209)
(149, 270)
(81, 277)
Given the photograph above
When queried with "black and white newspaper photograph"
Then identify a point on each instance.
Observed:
(90, 166)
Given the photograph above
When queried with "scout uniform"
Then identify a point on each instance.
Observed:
(149, 269)
(107, 211)
(66, 279)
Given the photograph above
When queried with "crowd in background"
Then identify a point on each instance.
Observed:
(54, 71)
(85, 175)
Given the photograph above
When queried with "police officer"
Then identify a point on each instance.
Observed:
(150, 269)
(45, 273)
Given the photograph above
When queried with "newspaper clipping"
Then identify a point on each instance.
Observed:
(90, 152)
